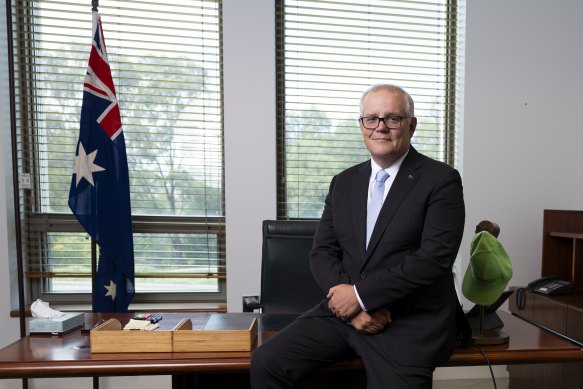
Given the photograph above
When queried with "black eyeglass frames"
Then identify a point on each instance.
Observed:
(391, 121)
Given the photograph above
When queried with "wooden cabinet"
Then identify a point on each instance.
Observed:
(562, 252)
(562, 256)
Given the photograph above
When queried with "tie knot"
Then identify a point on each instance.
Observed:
(382, 176)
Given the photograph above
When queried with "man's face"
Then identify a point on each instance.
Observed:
(387, 145)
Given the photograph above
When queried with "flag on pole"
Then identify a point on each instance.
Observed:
(99, 196)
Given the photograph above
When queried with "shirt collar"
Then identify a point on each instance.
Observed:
(392, 170)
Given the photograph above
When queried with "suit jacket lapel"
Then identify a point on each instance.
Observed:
(402, 185)
(359, 200)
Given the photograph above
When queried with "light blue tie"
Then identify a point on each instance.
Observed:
(376, 203)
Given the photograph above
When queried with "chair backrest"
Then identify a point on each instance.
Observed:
(287, 284)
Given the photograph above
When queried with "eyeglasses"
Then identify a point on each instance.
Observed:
(392, 121)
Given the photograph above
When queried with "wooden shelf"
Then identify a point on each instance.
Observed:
(562, 252)
(569, 235)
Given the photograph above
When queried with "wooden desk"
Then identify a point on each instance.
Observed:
(562, 315)
(69, 355)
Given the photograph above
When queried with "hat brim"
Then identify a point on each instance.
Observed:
(478, 293)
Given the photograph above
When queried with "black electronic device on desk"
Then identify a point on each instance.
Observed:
(551, 285)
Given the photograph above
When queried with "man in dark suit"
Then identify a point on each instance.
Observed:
(390, 291)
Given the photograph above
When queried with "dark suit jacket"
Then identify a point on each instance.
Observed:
(408, 265)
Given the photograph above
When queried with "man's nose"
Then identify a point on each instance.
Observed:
(382, 127)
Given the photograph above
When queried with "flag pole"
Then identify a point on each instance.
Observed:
(95, 380)
(94, 5)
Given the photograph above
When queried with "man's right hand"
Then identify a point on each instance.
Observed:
(373, 323)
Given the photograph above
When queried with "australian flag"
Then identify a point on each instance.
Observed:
(99, 196)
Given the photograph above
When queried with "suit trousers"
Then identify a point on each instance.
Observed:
(310, 343)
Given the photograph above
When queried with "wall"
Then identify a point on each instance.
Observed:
(250, 165)
(521, 151)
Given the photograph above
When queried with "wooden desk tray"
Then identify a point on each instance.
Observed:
(222, 332)
(109, 337)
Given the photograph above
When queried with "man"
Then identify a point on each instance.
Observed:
(390, 292)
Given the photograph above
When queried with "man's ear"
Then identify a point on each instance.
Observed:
(412, 127)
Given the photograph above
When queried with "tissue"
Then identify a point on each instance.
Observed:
(41, 309)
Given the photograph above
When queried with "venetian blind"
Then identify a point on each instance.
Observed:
(166, 62)
(328, 53)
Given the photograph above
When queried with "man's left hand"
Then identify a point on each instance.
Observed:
(342, 301)
(371, 324)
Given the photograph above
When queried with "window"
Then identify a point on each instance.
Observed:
(328, 53)
(166, 62)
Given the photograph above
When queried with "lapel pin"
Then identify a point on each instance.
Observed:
(410, 176)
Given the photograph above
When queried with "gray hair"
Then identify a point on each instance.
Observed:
(390, 88)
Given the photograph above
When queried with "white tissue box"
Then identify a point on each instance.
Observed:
(59, 325)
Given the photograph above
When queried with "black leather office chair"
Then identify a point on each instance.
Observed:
(287, 285)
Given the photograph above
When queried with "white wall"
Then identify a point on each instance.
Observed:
(250, 165)
(522, 150)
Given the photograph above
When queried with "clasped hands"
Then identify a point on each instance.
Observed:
(343, 302)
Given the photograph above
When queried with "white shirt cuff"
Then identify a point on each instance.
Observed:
(358, 298)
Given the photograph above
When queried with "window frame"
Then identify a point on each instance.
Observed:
(32, 221)
(453, 96)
